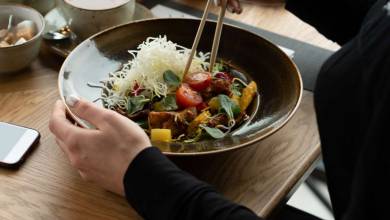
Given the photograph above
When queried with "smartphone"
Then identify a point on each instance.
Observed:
(15, 142)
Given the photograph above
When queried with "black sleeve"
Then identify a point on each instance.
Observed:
(158, 189)
(352, 101)
(338, 20)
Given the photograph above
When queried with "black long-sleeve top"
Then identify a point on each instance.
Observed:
(158, 189)
(352, 100)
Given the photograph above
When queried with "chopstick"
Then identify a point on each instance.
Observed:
(217, 36)
(197, 37)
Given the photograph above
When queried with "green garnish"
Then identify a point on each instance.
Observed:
(236, 88)
(218, 67)
(213, 132)
(171, 79)
(136, 104)
(228, 106)
(168, 103)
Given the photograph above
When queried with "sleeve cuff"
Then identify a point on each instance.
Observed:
(156, 186)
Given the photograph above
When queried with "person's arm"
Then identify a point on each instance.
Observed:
(158, 189)
(338, 20)
(352, 102)
(153, 185)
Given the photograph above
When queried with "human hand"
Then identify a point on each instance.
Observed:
(233, 6)
(102, 155)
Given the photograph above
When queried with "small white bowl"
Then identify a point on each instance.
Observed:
(17, 57)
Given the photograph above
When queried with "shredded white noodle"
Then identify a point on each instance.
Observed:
(151, 59)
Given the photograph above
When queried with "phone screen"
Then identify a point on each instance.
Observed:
(15, 141)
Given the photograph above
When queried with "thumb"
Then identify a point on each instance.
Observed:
(86, 110)
(233, 6)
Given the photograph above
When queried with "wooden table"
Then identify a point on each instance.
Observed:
(260, 176)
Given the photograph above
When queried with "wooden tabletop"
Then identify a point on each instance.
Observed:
(259, 176)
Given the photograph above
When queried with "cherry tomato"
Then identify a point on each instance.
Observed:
(198, 81)
(186, 97)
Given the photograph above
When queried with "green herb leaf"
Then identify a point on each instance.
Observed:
(168, 103)
(236, 109)
(236, 88)
(214, 132)
(218, 67)
(228, 106)
(136, 104)
(171, 79)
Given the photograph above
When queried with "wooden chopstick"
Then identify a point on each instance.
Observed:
(197, 37)
(217, 35)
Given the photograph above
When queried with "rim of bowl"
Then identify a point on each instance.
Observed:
(37, 35)
(99, 10)
(201, 153)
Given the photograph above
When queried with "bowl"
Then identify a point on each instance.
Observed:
(43, 6)
(278, 79)
(17, 57)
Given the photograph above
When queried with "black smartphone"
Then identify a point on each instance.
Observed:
(15, 142)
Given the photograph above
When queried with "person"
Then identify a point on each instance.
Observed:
(352, 98)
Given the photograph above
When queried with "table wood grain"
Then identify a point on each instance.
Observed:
(259, 176)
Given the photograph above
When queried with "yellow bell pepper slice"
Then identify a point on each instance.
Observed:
(236, 99)
(248, 93)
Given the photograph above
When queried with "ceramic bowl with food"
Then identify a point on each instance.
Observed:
(251, 58)
(21, 43)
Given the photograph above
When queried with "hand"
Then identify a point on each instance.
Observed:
(233, 6)
(102, 155)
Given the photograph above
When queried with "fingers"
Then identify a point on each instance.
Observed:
(84, 176)
(63, 147)
(233, 6)
(100, 117)
(86, 110)
(74, 155)
(59, 125)
(68, 136)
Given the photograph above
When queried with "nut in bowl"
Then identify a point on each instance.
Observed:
(21, 28)
(132, 71)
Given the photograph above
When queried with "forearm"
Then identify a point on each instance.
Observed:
(339, 20)
(158, 189)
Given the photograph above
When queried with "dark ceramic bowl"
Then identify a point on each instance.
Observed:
(279, 82)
